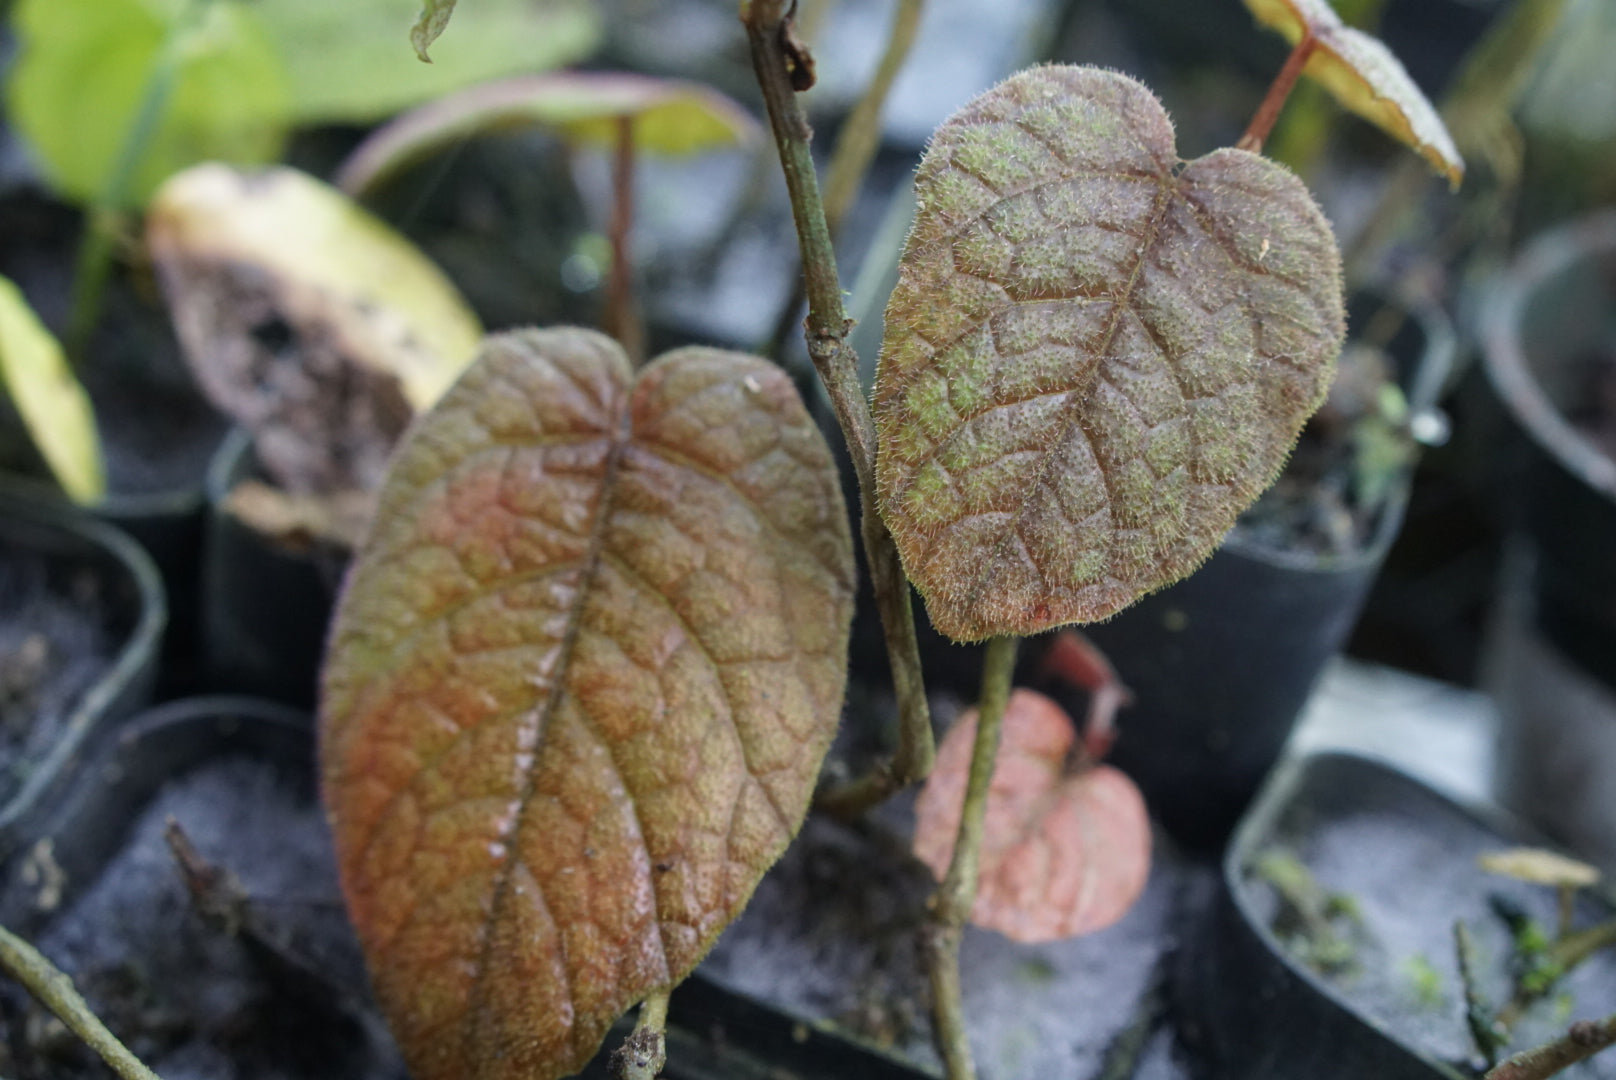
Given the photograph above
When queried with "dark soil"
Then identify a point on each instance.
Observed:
(186, 995)
(1595, 415)
(55, 642)
(157, 431)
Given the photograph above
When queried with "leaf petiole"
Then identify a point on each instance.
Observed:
(1262, 122)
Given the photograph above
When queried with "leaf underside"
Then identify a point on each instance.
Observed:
(1062, 854)
(1095, 358)
(578, 690)
(1365, 76)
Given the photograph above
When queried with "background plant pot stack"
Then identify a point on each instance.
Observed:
(1551, 356)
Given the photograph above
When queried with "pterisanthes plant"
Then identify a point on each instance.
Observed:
(589, 659)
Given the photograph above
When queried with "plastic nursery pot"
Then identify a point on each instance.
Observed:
(1221, 663)
(84, 614)
(264, 607)
(1547, 333)
(1403, 857)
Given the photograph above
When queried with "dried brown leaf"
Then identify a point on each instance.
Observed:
(578, 689)
(1365, 77)
(1063, 853)
(1095, 356)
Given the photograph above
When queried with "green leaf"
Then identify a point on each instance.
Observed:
(306, 318)
(84, 69)
(432, 22)
(350, 61)
(53, 405)
(578, 689)
(670, 117)
(1096, 355)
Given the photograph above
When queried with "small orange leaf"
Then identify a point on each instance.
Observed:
(1077, 660)
(578, 690)
(1364, 77)
(1062, 853)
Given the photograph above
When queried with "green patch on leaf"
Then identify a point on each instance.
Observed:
(85, 67)
(578, 689)
(52, 404)
(1130, 345)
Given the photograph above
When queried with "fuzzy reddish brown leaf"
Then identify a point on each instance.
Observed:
(1063, 852)
(1364, 76)
(578, 689)
(1096, 356)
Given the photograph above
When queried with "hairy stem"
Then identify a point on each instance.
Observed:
(55, 991)
(622, 315)
(104, 218)
(952, 902)
(1582, 1040)
(645, 1051)
(777, 59)
(1263, 121)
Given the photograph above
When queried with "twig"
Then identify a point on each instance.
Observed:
(952, 902)
(1484, 1030)
(1262, 122)
(778, 58)
(645, 1051)
(1582, 1040)
(53, 989)
(622, 315)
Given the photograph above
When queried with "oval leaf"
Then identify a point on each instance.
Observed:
(84, 70)
(1062, 855)
(1364, 76)
(1093, 359)
(307, 319)
(670, 117)
(579, 686)
(50, 400)
(349, 61)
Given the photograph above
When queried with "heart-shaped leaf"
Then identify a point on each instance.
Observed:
(1364, 76)
(1063, 853)
(579, 687)
(310, 321)
(670, 116)
(1094, 359)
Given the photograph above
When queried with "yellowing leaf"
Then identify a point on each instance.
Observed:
(84, 69)
(578, 690)
(1095, 357)
(52, 404)
(1539, 866)
(306, 318)
(351, 61)
(1063, 853)
(670, 117)
(1364, 77)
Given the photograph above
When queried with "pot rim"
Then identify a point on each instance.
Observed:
(1505, 356)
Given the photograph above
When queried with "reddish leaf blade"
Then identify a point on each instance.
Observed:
(1062, 855)
(578, 690)
(1093, 360)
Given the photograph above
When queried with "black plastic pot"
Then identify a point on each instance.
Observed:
(1554, 313)
(1353, 821)
(1222, 662)
(129, 592)
(264, 607)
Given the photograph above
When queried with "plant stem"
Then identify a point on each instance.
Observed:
(1582, 1040)
(104, 217)
(1566, 954)
(767, 29)
(952, 902)
(622, 315)
(645, 1051)
(1268, 112)
(1478, 1016)
(55, 991)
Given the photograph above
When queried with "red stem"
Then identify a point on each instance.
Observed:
(1263, 121)
(622, 316)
